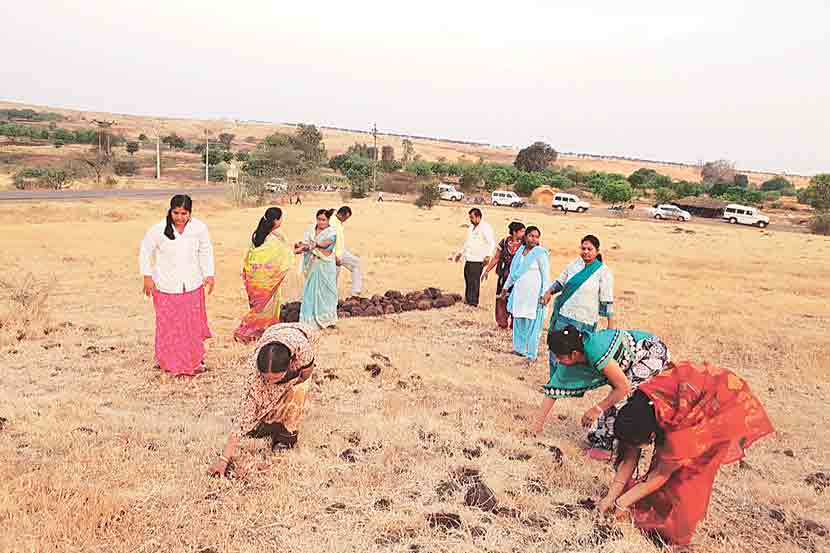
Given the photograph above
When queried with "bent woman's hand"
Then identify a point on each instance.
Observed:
(218, 468)
(149, 286)
(210, 282)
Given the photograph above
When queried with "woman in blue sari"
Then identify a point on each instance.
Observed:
(529, 278)
(319, 305)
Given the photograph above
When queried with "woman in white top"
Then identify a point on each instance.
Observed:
(529, 279)
(176, 260)
(586, 293)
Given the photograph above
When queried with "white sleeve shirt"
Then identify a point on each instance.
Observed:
(179, 265)
(480, 243)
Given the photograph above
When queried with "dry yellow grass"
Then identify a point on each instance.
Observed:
(338, 142)
(101, 452)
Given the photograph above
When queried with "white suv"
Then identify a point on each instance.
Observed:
(500, 197)
(745, 215)
(449, 192)
(569, 202)
(668, 211)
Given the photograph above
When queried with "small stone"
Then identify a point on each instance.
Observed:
(471, 452)
(444, 521)
(818, 480)
(777, 514)
(389, 309)
(555, 451)
(3, 422)
(349, 455)
(519, 456)
(508, 512)
(424, 305)
(383, 504)
(465, 475)
(588, 504)
(789, 453)
(373, 369)
(334, 507)
(480, 496)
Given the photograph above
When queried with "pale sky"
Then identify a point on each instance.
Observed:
(743, 80)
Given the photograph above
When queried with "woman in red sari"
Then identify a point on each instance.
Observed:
(699, 418)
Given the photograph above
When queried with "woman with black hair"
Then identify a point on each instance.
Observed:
(176, 260)
(319, 305)
(623, 359)
(505, 250)
(281, 366)
(699, 418)
(266, 265)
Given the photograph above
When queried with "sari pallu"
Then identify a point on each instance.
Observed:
(264, 270)
(709, 417)
(528, 313)
(319, 304)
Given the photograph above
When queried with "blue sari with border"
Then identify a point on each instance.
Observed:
(526, 331)
(319, 305)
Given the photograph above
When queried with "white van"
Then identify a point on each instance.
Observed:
(569, 202)
(745, 215)
(501, 197)
(449, 192)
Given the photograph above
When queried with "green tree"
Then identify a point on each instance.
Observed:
(429, 194)
(132, 147)
(819, 192)
(617, 192)
(420, 168)
(741, 181)
(527, 182)
(641, 177)
(664, 195)
(242, 156)
(470, 179)
(142, 137)
(276, 156)
(174, 141)
(309, 140)
(536, 157)
(776, 184)
(721, 170)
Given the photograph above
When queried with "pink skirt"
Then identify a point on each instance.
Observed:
(181, 330)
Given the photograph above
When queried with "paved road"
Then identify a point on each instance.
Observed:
(50, 195)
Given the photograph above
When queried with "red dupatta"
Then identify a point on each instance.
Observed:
(709, 418)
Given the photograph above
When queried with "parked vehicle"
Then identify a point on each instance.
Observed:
(501, 197)
(277, 185)
(569, 202)
(668, 211)
(745, 215)
(449, 192)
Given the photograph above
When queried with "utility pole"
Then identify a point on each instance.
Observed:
(207, 156)
(375, 161)
(157, 126)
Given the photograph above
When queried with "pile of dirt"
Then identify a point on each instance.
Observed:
(389, 303)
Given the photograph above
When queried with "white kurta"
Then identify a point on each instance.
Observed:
(530, 287)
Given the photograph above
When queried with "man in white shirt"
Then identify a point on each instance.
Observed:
(477, 250)
(344, 257)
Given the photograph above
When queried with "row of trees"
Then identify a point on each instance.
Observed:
(57, 135)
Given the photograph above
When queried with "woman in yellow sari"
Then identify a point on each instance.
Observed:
(266, 265)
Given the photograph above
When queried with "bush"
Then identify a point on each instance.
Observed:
(617, 192)
(820, 224)
(429, 194)
(665, 195)
(775, 184)
(126, 168)
(536, 157)
(218, 173)
(527, 182)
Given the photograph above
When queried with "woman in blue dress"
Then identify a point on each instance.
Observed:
(319, 305)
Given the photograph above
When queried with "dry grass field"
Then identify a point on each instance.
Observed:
(103, 453)
(338, 141)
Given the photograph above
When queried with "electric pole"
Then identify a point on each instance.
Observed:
(207, 156)
(375, 161)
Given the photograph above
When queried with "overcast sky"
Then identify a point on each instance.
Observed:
(743, 80)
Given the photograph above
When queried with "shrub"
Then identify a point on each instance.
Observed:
(617, 192)
(218, 173)
(132, 147)
(429, 194)
(820, 224)
(664, 195)
(27, 179)
(536, 157)
(777, 183)
(126, 168)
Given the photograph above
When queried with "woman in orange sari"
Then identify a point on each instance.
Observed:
(699, 418)
(266, 264)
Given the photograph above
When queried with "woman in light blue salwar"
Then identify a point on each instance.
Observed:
(319, 305)
(529, 279)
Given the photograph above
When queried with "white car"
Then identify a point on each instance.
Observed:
(449, 192)
(745, 215)
(569, 202)
(500, 197)
(668, 211)
(278, 185)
